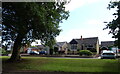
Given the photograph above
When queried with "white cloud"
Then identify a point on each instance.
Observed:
(94, 22)
(78, 3)
(76, 33)
(92, 27)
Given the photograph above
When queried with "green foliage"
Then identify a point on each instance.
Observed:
(68, 49)
(55, 50)
(85, 52)
(24, 22)
(37, 21)
(78, 49)
(114, 25)
(33, 46)
(3, 51)
(51, 51)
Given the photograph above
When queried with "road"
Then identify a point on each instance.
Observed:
(75, 57)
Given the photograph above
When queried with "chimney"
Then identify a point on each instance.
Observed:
(81, 38)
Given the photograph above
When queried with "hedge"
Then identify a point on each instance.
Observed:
(85, 52)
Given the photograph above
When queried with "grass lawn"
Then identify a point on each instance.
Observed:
(43, 64)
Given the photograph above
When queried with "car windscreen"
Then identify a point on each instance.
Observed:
(108, 54)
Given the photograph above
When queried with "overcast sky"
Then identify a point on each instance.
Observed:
(87, 18)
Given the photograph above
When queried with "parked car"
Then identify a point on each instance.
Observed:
(119, 50)
(34, 53)
(108, 54)
(42, 52)
(115, 50)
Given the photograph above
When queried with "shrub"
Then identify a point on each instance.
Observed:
(93, 50)
(68, 49)
(2, 51)
(85, 52)
(78, 49)
(56, 50)
(51, 51)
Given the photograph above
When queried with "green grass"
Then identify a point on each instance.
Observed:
(62, 65)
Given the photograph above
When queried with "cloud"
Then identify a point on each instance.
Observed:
(90, 27)
(78, 3)
(76, 33)
(94, 22)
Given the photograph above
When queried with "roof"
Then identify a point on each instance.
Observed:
(60, 44)
(74, 41)
(40, 46)
(107, 43)
(91, 40)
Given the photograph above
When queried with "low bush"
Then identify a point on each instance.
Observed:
(85, 52)
(4, 52)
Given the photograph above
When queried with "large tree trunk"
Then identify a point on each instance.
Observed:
(119, 39)
(16, 49)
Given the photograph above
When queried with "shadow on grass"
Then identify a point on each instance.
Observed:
(11, 66)
(112, 66)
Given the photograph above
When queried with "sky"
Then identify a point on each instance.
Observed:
(86, 18)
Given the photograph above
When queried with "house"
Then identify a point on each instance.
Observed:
(62, 47)
(107, 44)
(39, 48)
(91, 44)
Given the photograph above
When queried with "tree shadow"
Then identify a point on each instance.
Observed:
(8, 66)
(112, 66)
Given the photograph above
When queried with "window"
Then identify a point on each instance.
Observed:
(73, 46)
(90, 46)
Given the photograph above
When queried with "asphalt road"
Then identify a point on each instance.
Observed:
(75, 57)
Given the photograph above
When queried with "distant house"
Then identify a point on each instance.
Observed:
(44, 48)
(91, 44)
(107, 44)
(41, 47)
(62, 47)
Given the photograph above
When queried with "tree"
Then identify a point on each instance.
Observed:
(51, 43)
(27, 21)
(56, 49)
(114, 25)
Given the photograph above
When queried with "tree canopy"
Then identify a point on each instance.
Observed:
(24, 22)
(114, 25)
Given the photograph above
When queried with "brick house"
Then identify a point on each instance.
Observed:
(91, 43)
(107, 44)
(62, 47)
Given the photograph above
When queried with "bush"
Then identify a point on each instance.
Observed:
(56, 50)
(51, 51)
(2, 51)
(85, 52)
